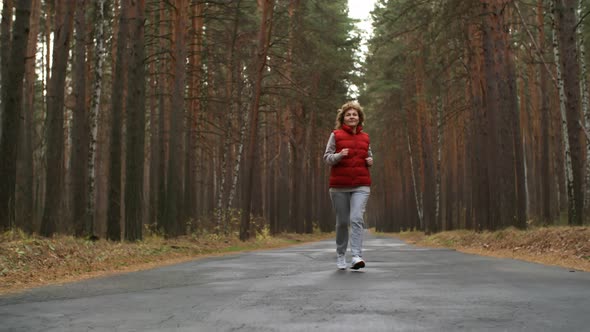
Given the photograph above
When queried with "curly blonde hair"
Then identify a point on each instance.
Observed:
(347, 106)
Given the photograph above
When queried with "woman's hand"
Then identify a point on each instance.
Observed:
(344, 152)
(369, 161)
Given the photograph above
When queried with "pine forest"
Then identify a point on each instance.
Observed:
(120, 117)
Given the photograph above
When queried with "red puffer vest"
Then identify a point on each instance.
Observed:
(352, 170)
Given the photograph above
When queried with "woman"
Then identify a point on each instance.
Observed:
(349, 153)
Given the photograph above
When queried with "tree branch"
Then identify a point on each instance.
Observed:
(524, 24)
(581, 20)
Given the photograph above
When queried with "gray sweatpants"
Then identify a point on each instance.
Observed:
(350, 208)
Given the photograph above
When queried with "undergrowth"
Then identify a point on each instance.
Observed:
(557, 245)
(30, 260)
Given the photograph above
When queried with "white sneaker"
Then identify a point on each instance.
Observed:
(357, 263)
(341, 262)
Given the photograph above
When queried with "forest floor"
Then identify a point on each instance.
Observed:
(568, 247)
(32, 261)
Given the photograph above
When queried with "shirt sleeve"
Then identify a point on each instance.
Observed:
(330, 156)
(370, 153)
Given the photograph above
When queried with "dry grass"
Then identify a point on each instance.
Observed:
(567, 247)
(31, 261)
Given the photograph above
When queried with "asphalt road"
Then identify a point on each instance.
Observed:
(403, 288)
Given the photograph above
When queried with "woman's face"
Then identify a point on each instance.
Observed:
(351, 118)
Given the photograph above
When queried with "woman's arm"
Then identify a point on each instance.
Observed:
(330, 156)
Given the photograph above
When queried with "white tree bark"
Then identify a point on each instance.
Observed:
(533, 41)
(236, 172)
(569, 176)
(585, 102)
(100, 52)
(238, 164)
(439, 142)
(526, 175)
(417, 192)
(220, 215)
(221, 211)
(584, 72)
(233, 101)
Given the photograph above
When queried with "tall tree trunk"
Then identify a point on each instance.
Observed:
(12, 95)
(174, 196)
(296, 127)
(55, 117)
(115, 167)
(103, 146)
(566, 11)
(251, 156)
(154, 161)
(49, 12)
(100, 51)
(135, 125)
(163, 151)
(238, 161)
(5, 29)
(496, 153)
(191, 185)
(164, 117)
(440, 220)
(425, 130)
(480, 213)
(231, 95)
(540, 103)
(544, 134)
(570, 170)
(585, 95)
(417, 196)
(306, 196)
(78, 162)
(25, 187)
(515, 166)
(467, 172)
(297, 160)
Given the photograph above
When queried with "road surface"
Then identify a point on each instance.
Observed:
(403, 288)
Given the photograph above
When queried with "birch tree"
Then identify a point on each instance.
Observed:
(585, 102)
(425, 131)
(232, 102)
(545, 177)
(95, 104)
(568, 84)
(439, 142)
(417, 191)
